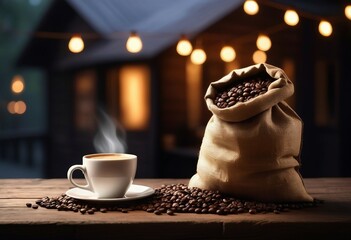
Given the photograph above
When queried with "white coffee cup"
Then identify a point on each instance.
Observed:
(108, 175)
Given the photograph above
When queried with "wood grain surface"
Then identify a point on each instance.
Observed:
(331, 220)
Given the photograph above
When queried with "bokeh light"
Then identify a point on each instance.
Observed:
(198, 56)
(76, 44)
(17, 84)
(325, 28)
(259, 57)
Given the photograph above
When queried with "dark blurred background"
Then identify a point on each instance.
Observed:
(53, 103)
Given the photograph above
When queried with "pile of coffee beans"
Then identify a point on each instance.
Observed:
(242, 91)
(171, 199)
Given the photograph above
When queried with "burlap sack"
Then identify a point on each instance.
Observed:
(251, 150)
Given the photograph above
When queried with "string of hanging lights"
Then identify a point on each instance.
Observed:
(184, 47)
(263, 42)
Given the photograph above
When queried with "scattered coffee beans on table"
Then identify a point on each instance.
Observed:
(242, 91)
(171, 199)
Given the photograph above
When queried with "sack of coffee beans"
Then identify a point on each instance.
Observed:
(252, 143)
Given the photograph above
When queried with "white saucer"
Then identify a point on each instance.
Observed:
(134, 192)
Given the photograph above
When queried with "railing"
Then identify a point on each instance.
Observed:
(22, 154)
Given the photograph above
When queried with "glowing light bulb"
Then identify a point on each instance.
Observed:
(134, 43)
(76, 44)
(251, 7)
(184, 47)
(291, 17)
(20, 107)
(259, 57)
(14, 107)
(228, 54)
(325, 28)
(17, 85)
(198, 56)
(263, 42)
(11, 107)
(348, 11)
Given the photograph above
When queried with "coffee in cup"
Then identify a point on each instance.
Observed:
(108, 175)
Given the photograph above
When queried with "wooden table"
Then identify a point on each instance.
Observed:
(331, 220)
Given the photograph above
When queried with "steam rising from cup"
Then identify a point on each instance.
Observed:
(111, 137)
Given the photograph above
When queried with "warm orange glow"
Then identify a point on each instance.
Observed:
(20, 107)
(193, 79)
(198, 56)
(230, 66)
(291, 17)
(251, 7)
(263, 42)
(135, 97)
(134, 43)
(184, 47)
(85, 100)
(348, 11)
(14, 107)
(76, 44)
(17, 85)
(325, 28)
(11, 107)
(228, 54)
(259, 57)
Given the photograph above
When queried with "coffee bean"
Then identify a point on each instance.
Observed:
(212, 210)
(162, 209)
(221, 212)
(252, 211)
(150, 210)
(29, 205)
(170, 212)
(191, 210)
(204, 210)
(242, 91)
(231, 103)
(175, 198)
(241, 210)
(35, 206)
(157, 212)
(233, 211)
(197, 210)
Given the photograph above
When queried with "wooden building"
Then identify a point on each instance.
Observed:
(168, 97)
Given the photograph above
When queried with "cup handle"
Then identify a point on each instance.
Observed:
(84, 171)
